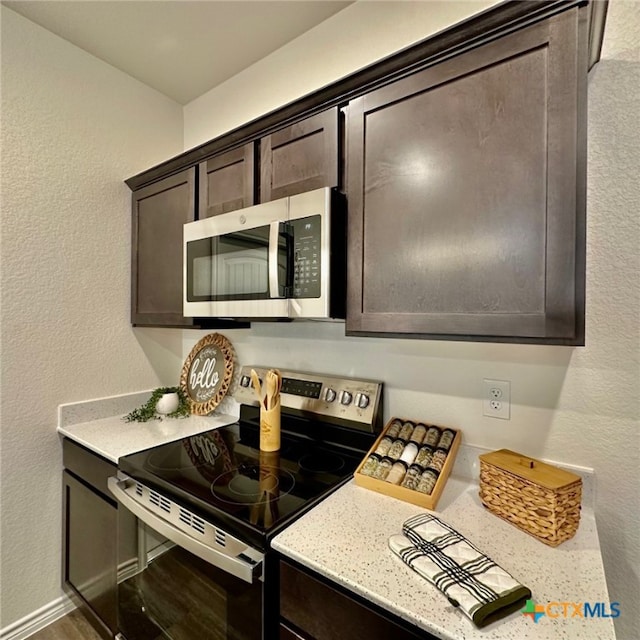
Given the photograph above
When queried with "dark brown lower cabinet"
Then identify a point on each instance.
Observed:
(89, 558)
(311, 608)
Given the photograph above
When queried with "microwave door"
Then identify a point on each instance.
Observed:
(251, 263)
(235, 265)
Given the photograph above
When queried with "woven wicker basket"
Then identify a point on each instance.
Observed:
(538, 498)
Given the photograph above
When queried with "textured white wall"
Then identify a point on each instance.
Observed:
(577, 406)
(73, 128)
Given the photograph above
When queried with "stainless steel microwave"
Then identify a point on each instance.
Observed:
(277, 260)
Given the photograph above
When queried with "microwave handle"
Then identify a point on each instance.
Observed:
(277, 229)
(274, 237)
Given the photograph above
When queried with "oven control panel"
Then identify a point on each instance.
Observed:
(350, 399)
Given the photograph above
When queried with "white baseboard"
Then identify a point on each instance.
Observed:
(38, 619)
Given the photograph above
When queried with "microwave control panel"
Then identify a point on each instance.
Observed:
(307, 238)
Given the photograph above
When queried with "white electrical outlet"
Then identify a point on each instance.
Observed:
(496, 398)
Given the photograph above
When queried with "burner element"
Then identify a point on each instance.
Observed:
(252, 484)
(324, 462)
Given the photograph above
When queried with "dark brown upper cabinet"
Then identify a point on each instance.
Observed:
(465, 181)
(466, 190)
(226, 182)
(300, 157)
(159, 211)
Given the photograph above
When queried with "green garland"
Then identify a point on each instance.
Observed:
(148, 410)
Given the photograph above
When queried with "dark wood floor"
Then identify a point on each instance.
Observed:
(73, 626)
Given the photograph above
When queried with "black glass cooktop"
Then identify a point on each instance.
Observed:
(223, 476)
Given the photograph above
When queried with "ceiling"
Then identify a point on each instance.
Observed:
(182, 48)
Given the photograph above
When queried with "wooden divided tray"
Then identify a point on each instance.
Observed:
(423, 469)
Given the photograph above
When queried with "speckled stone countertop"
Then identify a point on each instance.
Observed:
(99, 426)
(345, 539)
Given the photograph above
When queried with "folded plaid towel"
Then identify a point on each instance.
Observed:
(471, 580)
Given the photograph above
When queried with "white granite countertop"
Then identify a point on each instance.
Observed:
(345, 539)
(99, 426)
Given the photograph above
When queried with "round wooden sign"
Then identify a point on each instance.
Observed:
(207, 373)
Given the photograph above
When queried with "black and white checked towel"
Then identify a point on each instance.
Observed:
(482, 590)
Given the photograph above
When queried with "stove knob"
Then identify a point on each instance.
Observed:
(346, 397)
(362, 400)
(244, 381)
(329, 395)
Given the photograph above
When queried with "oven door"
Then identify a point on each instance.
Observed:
(239, 264)
(180, 577)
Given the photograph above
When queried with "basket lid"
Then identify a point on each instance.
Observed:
(545, 475)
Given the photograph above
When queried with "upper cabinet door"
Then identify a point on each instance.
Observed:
(466, 186)
(300, 157)
(227, 182)
(159, 212)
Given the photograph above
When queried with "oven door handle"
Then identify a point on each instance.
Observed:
(248, 570)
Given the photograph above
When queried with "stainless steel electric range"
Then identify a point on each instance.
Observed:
(197, 515)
